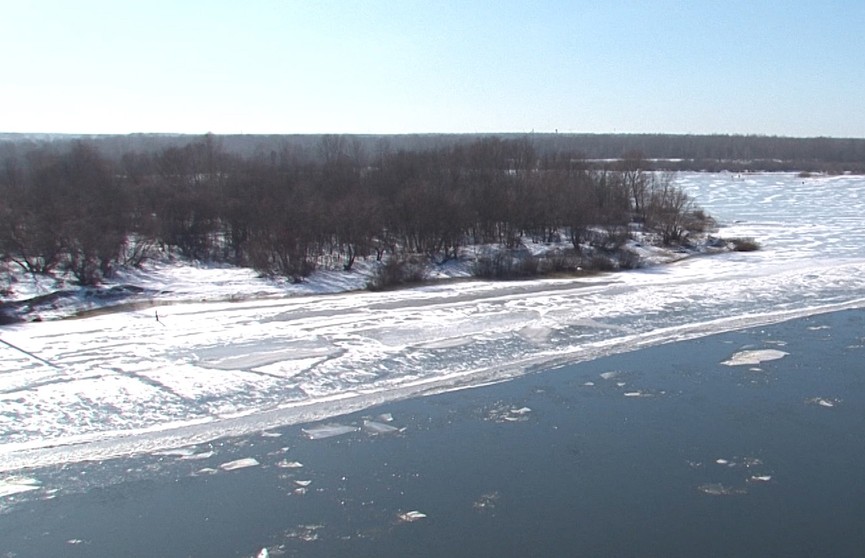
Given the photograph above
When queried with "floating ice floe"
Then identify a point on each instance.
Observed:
(609, 375)
(176, 452)
(411, 516)
(385, 417)
(823, 401)
(637, 393)
(718, 489)
(589, 384)
(760, 478)
(267, 434)
(239, 464)
(205, 471)
(487, 501)
(501, 412)
(747, 462)
(754, 357)
(263, 553)
(286, 464)
(74, 541)
(18, 484)
(199, 456)
(303, 483)
(327, 431)
(306, 533)
(373, 427)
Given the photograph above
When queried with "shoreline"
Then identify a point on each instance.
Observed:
(663, 451)
(112, 445)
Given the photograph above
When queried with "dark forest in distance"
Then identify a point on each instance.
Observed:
(734, 153)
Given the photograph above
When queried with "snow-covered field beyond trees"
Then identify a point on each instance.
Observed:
(231, 353)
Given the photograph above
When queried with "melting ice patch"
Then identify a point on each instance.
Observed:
(286, 464)
(374, 428)
(410, 516)
(719, 489)
(240, 464)
(327, 431)
(753, 357)
(17, 484)
(828, 402)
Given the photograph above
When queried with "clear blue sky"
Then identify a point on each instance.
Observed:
(777, 67)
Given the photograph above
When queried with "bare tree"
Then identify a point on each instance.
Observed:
(668, 208)
(636, 180)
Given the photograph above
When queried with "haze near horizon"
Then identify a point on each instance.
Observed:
(366, 67)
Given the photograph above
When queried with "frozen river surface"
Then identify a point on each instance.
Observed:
(125, 382)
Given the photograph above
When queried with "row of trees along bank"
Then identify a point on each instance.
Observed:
(76, 211)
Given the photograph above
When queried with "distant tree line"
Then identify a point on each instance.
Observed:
(75, 210)
(735, 153)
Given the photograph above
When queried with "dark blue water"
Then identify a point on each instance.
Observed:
(588, 472)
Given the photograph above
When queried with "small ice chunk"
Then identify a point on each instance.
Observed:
(754, 357)
(267, 434)
(589, 384)
(239, 464)
(823, 402)
(205, 471)
(303, 483)
(718, 489)
(306, 533)
(411, 516)
(608, 375)
(176, 452)
(17, 484)
(760, 478)
(486, 501)
(327, 431)
(621, 384)
(385, 417)
(637, 393)
(721, 461)
(286, 464)
(263, 553)
(373, 427)
(521, 411)
(74, 541)
(300, 491)
(199, 456)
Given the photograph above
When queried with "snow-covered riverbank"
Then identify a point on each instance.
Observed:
(124, 382)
